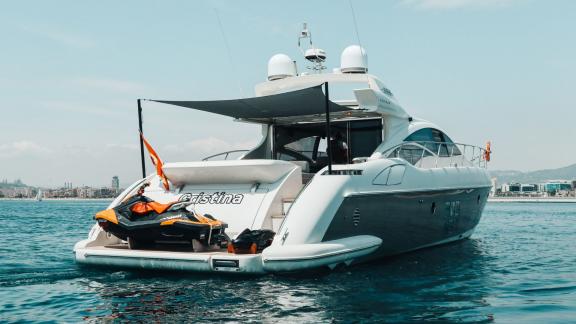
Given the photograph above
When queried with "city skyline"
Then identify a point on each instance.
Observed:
(17, 189)
(64, 184)
(72, 73)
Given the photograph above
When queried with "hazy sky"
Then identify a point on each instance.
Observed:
(71, 71)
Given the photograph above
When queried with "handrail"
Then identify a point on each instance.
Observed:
(226, 154)
(444, 150)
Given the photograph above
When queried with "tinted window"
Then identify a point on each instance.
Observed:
(410, 153)
(307, 142)
(304, 146)
(430, 137)
(365, 136)
(390, 176)
(422, 135)
(396, 175)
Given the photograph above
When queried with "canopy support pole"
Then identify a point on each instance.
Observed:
(141, 140)
(328, 131)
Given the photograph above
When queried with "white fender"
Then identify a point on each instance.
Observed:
(292, 257)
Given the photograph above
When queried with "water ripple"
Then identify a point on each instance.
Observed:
(518, 267)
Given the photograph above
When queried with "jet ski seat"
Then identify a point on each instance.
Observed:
(140, 206)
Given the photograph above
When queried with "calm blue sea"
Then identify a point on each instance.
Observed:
(519, 267)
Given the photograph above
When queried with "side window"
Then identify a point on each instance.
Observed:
(438, 137)
(410, 152)
(304, 146)
(390, 176)
(285, 157)
(449, 148)
(364, 137)
(430, 137)
(396, 175)
(421, 135)
(382, 177)
(424, 137)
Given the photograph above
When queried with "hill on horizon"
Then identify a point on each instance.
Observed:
(16, 184)
(508, 176)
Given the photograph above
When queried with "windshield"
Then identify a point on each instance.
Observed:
(308, 143)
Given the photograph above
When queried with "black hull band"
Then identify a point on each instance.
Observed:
(406, 221)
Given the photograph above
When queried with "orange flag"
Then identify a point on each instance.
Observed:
(157, 162)
(488, 151)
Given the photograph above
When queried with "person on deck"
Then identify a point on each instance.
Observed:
(339, 149)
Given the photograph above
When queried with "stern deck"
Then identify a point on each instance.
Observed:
(173, 258)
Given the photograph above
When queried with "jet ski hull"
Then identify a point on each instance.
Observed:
(154, 231)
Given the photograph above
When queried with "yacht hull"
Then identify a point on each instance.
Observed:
(366, 226)
(407, 221)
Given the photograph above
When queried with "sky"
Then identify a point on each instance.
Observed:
(71, 71)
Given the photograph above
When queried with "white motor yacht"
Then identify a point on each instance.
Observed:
(337, 181)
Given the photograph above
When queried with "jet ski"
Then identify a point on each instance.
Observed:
(142, 221)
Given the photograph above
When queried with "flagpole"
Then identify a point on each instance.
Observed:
(328, 131)
(141, 140)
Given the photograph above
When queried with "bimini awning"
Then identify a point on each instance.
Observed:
(308, 101)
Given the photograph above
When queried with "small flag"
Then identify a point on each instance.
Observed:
(157, 162)
(488, 151)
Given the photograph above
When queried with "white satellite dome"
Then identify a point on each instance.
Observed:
(354, 60)
(281, 66)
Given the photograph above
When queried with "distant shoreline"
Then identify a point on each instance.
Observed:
(491, 199)
(532, 200)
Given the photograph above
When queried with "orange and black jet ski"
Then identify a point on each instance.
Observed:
(142, 221)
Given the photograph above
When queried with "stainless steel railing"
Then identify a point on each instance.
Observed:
(438, 154)
(225, 154)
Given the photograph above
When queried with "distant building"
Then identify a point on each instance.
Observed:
(529, 188)
(115, 183)
(519, 189)
(25, 192)
(511, 187)
(86, 192)
(494, 188)
(557, 186)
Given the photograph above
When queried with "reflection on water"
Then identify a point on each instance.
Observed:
(446, 283)
(519, 267)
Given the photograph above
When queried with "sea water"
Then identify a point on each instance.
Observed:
(518, 267)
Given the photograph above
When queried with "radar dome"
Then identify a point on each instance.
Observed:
(316, 55)
(354, 60)
(280, 66)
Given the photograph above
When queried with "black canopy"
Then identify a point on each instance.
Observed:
(308, 101)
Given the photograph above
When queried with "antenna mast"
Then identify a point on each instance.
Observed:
(229, 52)
(316, 56)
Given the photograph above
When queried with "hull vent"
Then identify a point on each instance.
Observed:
(356, 216)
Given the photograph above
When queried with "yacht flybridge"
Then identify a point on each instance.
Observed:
(332, 182)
